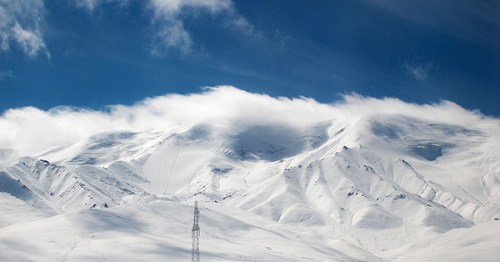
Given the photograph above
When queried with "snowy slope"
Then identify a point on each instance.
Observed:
(369, 187)
(157, 231)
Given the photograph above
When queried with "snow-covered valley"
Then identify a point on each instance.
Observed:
(276, 179)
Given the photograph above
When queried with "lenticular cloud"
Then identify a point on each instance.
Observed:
(30, 131)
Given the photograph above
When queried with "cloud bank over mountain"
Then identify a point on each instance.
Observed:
(29, 130)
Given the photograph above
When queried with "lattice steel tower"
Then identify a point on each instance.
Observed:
(195, 233)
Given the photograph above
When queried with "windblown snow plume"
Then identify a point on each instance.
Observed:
(277, 179)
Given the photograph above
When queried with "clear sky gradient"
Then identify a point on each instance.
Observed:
(92, 53)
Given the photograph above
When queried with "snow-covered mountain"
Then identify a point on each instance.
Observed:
(352, 184)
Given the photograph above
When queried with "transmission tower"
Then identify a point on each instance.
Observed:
(195, 233)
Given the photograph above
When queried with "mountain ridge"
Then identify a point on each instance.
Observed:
(373, 187)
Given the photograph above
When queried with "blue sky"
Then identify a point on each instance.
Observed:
(92, 53)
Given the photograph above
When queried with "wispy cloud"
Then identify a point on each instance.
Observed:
(20, 22)
(28, 131)
(91, 5)
(418, 71)
(29, 41)
(169, 32)
(20, 26)
(88, 4)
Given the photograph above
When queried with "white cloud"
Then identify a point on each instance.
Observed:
(418, 71)
(243, 24)
(168, 8)
(168, 16)
(28, 131)
(167, 20)
(20, 25)
(29, 41)
(169, 35)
